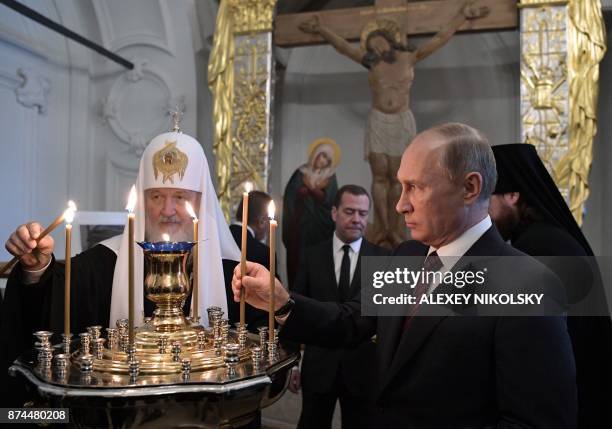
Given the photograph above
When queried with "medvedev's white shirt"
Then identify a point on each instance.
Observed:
(339, 254)
(451, 253)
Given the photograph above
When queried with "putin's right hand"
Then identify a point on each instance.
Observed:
(33, 255)
(256, 283)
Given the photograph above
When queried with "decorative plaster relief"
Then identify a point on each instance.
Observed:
(138, 105)
(34, 90)
(136, 23)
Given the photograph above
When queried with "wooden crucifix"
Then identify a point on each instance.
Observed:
(384, 50)
(414, 17)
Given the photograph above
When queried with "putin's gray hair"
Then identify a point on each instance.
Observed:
(468, 150)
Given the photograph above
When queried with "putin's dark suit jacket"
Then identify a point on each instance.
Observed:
(316, 278)
(457, 372)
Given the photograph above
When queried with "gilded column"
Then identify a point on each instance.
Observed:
(240, 75)
(562, 43)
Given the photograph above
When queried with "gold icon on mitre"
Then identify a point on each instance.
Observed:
(169, 160)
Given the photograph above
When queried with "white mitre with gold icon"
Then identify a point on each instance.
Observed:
(176, 160)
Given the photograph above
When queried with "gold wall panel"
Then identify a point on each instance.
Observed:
(240, 76)
(561, 46)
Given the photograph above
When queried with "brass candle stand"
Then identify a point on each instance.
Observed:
(221, 376)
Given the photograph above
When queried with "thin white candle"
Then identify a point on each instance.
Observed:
(68, 218)
(131, 294)
(273, 225)
(196, 271)
(243, 246)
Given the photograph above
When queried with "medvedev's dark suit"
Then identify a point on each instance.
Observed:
(331, 374)
(457, 372)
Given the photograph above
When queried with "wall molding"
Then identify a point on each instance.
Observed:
(137, 136)
(164, 43)
(34, 90)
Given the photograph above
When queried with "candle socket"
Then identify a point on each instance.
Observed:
(242, 332)
(217, 328)
(272, 351)
(98, 348)
(44, 356)
(224, 330)
(111, 335)
(86, 364)
(60, 362)
(256, 355)
(66, 343)
(44, 339)
(212, 314)
(123, 334)
(122, 326)
(232, 358)
(85, 340)
(263, 338)
(94, 331)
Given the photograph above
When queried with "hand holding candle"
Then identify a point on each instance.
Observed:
(196, 271)
(15, 238)
(243, 246)
(131, 295)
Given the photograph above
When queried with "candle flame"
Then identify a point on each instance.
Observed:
(190, 210)
(271, 209)
(69, 213)
(165, 237)
(131, 204)
(248, 187)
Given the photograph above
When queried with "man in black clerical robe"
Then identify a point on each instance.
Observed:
(529, 210)
(173, 173)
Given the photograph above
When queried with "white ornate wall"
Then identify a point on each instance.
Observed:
(74, 123)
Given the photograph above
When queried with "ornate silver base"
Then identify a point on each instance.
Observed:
(216, 398)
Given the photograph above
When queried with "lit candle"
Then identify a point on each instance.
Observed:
(165, 237)
(271, 210)
(243, 247)
(196, 271)
(68, 218)
(131, 294)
